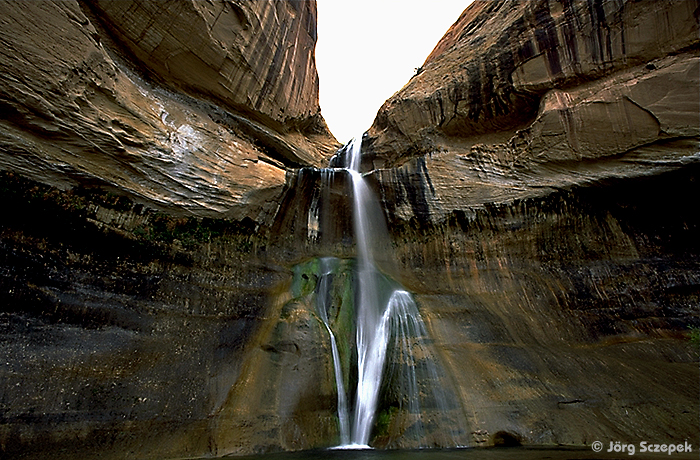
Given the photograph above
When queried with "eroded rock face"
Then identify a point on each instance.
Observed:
(74, 114)
(257, 57)
(125, 330)
(531, 174)
(508, 66)
(567, 316)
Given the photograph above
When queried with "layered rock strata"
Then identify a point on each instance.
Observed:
(534, 173)
(567, 317)
(543, 82)
(254, 56)
(75, 113)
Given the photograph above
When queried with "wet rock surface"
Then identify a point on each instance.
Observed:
(123, 329)
(561, 318)
(547, 309)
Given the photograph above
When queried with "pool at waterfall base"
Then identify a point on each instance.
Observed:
(475, 453)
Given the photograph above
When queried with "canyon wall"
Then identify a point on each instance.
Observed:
(537, 174)
(164, 216)
(144, 149)
(186, 107)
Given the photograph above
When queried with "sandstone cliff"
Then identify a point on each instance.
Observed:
(535, 173)
(597, 78)
(230, 99)
(255, 57)
(520, 98)
(143, 148)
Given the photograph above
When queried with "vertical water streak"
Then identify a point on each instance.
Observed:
(406, 328)
(354, 158)
(322, 305)
(411, 355)
(313, 224)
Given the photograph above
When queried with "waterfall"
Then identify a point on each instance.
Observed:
(372, 334)
(385, 314)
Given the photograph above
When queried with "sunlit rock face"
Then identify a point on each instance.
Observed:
(255, 56)
(548, 81)
(195, 135)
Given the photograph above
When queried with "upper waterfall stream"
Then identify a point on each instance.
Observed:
(372, 314)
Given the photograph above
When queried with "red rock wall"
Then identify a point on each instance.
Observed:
(254, 56)
(489, 73)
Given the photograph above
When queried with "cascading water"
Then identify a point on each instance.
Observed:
(384, 314)
(372, 321)
(322, 306)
